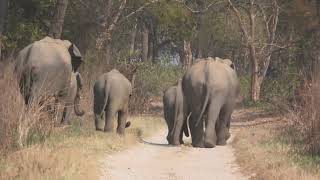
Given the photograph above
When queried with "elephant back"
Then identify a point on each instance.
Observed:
(120, 86)
(48, 64)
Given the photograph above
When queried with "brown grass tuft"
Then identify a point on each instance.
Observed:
(20, 126)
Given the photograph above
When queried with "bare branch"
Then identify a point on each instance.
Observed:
(141, 8)
(116, 18)
(241, 23)
(199, 11)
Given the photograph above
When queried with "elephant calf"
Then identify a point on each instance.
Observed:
(172, 106)
(112, 91)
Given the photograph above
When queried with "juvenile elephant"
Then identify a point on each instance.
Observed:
(48, 68)
(111, 92)
(173, 114)
(210, 88)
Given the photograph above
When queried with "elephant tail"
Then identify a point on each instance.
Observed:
(128, 124)
(206, 100)
(185, 129)
(100, 98)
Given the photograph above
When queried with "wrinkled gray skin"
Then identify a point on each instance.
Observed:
(47, 68)
(210, 88)
(172, 108)
(112, 92)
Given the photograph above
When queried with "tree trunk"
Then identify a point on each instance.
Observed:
(133, 37)
(3, 15)
(107, 53)
(255, 84)
(145, 43)
(187, 54)
(58, 19)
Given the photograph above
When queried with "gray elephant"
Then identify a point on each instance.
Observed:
(210, 88)
(172, 109)
(112, 92)
(48, 68)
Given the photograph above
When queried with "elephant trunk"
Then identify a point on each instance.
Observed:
(77, 110)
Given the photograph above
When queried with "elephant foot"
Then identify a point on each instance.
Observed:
(181, 141)
(99, 129)
(198, 145)
(175, 143)
(64, 123)
(222, 142)
(107, 130)
(209, 144)
(228, 136)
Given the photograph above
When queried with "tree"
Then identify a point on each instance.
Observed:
(260, 42)
(58, 19)
(3, 14)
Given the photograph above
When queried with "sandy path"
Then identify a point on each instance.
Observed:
(153, 159)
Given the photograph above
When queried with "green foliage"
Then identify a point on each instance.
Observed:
(28, 21)
(156, 78)
(174, 19)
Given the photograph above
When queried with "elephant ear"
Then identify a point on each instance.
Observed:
(76, 57)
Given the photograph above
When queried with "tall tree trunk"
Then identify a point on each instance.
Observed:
(58, 19)
(133, 37)
(145, 42)
(3, 15)
(187, 54)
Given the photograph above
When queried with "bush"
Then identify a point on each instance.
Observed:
(305, 117)
(19, 126)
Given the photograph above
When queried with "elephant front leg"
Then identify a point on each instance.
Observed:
(122, 119)
(66, 114)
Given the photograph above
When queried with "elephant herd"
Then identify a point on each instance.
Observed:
(49, 68)
(203, 99)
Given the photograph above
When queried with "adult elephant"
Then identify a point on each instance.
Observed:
(48, 68)
(112, 92)
(173, 114)
(210, 88)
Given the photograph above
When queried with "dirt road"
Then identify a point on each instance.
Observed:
(153, 159)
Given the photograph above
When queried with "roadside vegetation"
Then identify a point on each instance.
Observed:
(274, 45)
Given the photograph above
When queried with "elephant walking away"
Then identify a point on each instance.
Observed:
(112, 92)
(210, 88)
(48, 68)
(173, 114)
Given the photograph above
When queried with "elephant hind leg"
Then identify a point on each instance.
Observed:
(109, 114)
(210, 136)
(96, 122)
(196, 131)
(122, 118)
(223, 125)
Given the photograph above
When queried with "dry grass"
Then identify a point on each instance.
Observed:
(265, 152)
(73, 152)
(19, 126)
